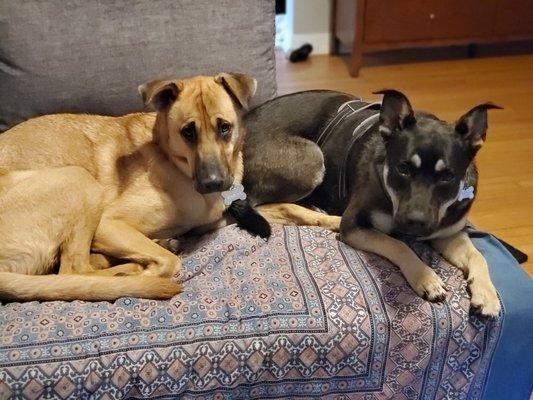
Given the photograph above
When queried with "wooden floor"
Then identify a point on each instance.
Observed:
(449, 88)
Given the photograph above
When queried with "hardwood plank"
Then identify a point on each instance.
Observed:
(448, 89)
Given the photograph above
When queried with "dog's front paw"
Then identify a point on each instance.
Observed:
(483, 297)
(429, 286)
(331, 222)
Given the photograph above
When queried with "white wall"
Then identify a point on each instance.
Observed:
(308, 21)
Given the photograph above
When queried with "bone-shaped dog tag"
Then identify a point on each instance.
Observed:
(466, 193)
(236, 192)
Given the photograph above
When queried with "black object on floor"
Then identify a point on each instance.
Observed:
(301, 53)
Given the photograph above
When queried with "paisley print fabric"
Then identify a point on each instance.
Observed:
(299, 316)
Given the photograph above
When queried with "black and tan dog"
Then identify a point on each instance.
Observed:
(386, 169)
(70, 184)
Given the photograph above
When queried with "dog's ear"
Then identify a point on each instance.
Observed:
(161, 94)
(396, 112)
(240, 87)
(473, 125)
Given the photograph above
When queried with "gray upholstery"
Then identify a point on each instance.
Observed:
(90, 55)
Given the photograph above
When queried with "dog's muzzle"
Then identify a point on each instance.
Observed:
(212, 177)
(415, 223)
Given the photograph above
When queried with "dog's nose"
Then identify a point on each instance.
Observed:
(210, 176)
(212, 183)
(416, 219)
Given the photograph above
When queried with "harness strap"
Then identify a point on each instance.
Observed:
(358, 132)
(347, 110)
(344, 111)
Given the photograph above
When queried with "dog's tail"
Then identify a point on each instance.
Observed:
(67, 287)
(249, 219)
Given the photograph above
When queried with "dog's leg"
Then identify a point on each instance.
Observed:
(47, 213)
(271, 176)
(460, 251)
(294, 214)
(118, 239)
(111, 266)
(128, 269)
(75, 248)
(424, 281)
(101, 261)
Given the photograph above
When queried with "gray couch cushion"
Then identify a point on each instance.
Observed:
(89, 56)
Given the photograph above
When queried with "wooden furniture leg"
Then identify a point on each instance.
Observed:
(356, 58)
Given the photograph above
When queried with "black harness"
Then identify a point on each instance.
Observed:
(348, 115)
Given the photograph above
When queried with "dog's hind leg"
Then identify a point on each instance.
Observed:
(118, 239)
(47, 213)
(37, 214)
(101, 261)
(294, 214)
(86, 196)
(110, 266)
(128, 269)
(460, 251)
(282, 169)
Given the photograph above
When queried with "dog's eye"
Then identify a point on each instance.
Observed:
(446, 176)
(189, 132)
(224, 128)
(403, 169)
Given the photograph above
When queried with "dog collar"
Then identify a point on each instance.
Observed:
(235, 192)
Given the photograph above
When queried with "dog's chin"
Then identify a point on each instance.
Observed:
(413, 233)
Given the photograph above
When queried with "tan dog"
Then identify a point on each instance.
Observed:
(69, 183)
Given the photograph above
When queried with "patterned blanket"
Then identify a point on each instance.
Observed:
(301, 316)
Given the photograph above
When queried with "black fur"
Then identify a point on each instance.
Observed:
(388, 169)
(362, 219)
(285, 160)
(249, 219)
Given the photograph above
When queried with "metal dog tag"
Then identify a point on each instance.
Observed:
(466, 193)
(236, 192)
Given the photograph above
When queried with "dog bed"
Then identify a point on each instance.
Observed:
(300, 316)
